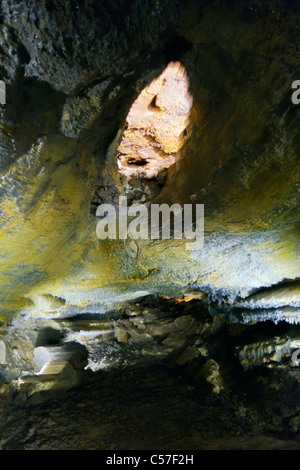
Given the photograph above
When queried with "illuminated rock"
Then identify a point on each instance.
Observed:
(155, 125)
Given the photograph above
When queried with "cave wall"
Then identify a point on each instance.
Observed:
(72, 73)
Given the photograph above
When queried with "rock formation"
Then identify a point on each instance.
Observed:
(175, 102)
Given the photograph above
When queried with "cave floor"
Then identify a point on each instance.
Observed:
(140, 408)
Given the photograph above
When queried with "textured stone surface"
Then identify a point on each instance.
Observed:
(73, 72)
(60, 159)
(155, 125)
